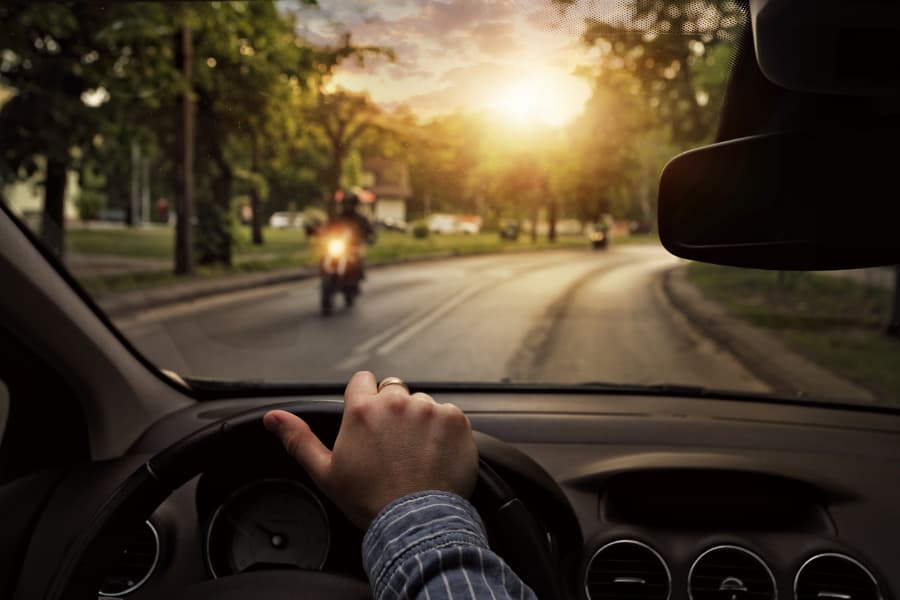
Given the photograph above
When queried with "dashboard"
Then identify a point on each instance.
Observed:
(641, 497)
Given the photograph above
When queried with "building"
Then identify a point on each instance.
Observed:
(388, 180)
(25, 198)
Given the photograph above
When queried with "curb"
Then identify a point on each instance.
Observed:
(132, 302)
(128, 303)
(766, 357)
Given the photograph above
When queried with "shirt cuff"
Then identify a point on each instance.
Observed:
(414, 524)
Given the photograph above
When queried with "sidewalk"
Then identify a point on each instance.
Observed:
(121, 303)
(764, 355)
(97, 265)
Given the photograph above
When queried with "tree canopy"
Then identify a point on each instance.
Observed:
(99, 89)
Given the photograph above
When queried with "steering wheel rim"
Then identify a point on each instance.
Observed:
(81, 571)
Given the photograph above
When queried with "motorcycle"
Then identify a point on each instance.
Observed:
(599, 237)
(339, 269)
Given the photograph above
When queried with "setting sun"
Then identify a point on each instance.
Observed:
(520, 101)
(550, 98)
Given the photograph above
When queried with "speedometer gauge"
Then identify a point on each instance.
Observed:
(269, 524)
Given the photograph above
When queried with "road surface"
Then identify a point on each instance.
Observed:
(560, 316)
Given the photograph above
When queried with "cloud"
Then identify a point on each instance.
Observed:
(496, 38)
(466, 88)
(450, 54)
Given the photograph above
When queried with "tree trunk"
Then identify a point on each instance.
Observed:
(132, 215)
(255, 200)
(184, 195)
(551, 217)
(222, 191)
(534, 223)
(53, 218)
(893, 328)
(333, 179)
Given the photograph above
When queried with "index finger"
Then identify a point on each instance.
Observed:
(361, 386)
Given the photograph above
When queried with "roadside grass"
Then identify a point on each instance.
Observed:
(284, 248)
(835, 322)
(158, 242)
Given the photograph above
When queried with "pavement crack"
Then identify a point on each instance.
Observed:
(544, 335)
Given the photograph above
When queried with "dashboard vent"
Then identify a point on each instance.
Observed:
(135, 564)
(835, 577)
(728, 573)
(627, 570)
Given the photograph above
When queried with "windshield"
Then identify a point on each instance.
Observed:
(453, 191)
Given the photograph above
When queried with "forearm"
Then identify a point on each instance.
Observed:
(433, 545)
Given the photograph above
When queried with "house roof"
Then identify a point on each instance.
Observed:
(391, 177)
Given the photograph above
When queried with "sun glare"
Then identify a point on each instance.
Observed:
(550, 98)
(519, 101)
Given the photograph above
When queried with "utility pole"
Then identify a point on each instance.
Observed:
(133, 212)
(184, 196)
(145, 190)
(255, 196)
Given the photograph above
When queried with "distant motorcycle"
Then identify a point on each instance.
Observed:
(599, 237)
(339, 268)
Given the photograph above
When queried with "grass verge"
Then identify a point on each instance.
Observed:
(835, 322)
(282, 249)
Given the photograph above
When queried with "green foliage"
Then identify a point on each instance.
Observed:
(213, 234)
(89, 204)
(272, 125)
(838, 323)
(420, 229)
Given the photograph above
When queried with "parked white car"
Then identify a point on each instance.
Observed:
(285, 220)
(440, 223)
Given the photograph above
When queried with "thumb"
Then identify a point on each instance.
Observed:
(301, 443)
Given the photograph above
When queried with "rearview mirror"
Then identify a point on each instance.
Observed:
(828, 46)
(792, 201)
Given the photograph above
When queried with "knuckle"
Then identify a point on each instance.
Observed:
(396, 403)
(455, 415)
(358, 410)
(428, 409)
(423, 397)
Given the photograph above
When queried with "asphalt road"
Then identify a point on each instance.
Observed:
(562, 316)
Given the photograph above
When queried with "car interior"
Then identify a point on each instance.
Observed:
(118, 479)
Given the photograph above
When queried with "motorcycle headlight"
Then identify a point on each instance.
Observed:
(336, 247)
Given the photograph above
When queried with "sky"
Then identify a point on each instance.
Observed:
(512, 58)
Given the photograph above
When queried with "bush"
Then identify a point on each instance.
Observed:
(420, 230)
(89, 204)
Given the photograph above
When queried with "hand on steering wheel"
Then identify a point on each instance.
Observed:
(390, 444)
(378, 455)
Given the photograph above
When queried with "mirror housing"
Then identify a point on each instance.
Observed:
(828, 46)
(803, 200)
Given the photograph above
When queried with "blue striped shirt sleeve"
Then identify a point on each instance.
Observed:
(432, 546)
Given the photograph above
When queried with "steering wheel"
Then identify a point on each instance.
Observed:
(514, 532)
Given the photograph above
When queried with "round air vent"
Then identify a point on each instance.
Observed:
(629, 570)
(730, 573)
(835, 577)
(135, 564)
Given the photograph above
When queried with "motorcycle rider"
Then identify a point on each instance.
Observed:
(361, 231)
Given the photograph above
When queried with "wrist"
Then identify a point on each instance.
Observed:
(416, 523)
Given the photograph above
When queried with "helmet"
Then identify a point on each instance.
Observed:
(348, 199)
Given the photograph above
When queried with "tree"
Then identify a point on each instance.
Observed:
(253, 44)
(55, 63)
(654, 94)
(893, 328)
(672, 71)
(342, 117)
